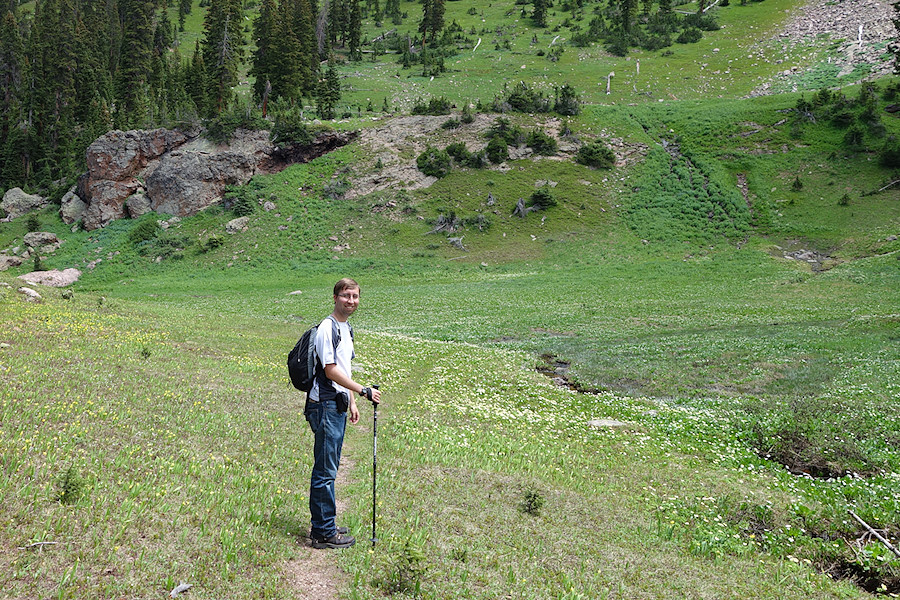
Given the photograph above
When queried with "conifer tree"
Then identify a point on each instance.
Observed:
(223, 50)
(184, 9)
(328, 93)
(11, 57)
(264, 32)
(136, 59)
(432, 20)
(354, 32)
(539, 13)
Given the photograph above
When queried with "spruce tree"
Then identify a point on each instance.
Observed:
(223, 51)
(264, 32)
(136, 59)
(539, 14)
(354, 30)
(328, 93)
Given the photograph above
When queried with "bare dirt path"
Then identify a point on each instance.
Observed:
(314, 574)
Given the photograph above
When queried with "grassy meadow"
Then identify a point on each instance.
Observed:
(149, 435)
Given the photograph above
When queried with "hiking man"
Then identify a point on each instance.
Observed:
(332, 396)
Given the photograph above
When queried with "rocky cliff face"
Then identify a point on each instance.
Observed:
(178, 173)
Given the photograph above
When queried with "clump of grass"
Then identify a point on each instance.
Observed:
(69, 486)
(532, 503)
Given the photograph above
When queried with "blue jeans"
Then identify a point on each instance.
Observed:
(328, 425)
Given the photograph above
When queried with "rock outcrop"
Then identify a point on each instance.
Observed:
(17, 203)
(133, 172)
(52, 278)
(72, 207)
(42, 241)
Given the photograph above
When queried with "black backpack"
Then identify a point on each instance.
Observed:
(302, 361)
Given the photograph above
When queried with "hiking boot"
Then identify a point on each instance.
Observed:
(338, 540)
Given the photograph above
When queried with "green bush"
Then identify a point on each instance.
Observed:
(690, 36)
(290, 129)
(497, 150)
(221, 128)
(32, 222)
(434, 162)
(434, 107)
(144, 231)
(541, 143)
(889, 156)
(596, 154)
(510, 133)
(542, 198)
(567, 102)
(241, 200)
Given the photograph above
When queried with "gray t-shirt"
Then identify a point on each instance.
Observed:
(328, 354)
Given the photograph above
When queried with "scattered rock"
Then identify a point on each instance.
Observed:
(44, 241)
(54, 278)
(238, 225)
(269, 206)
(295, 293)
(30, 294)
(72, 208)
(138, 204)
(10, 261)
(17, 203)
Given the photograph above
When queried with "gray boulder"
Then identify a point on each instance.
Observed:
(72, 207)
(10, 261)
(195, 176)
(237, 225)
(138, 204)
(17, 203)
(44, 241)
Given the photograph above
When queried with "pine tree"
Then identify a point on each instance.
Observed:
(184, 9)
(11, 57)
(432, 20)
(264, 31)
(354, 30)
(223, 50)
(627, 8)
(539, 14)
(136, 59)
(328, 94)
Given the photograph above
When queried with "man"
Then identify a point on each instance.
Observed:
(332, 396)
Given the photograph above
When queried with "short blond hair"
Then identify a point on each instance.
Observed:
(343, 284)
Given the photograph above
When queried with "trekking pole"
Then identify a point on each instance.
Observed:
(374, 460)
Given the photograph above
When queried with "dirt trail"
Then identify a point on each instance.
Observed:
(314, 574)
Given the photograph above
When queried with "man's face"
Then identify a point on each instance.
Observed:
(346, 302)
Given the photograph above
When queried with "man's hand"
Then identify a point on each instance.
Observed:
(354, 411)
(372, 394)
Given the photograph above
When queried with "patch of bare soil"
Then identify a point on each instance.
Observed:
(859, 29)
(397, 142)
(314, 573)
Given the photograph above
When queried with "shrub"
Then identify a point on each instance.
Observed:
(890, 153)
(212, 242)
(797, 185)
(434, 107)
(541, 143)
(221, 128)
(521, 98)
(509, 133)
(241, 200)
(434, 162)
(690, 35)
(467, 115)
(596, 154)
(145, 231)
(567, 102)
(290, 129)
(542, 198)
(497, 150)
(336, 188)
(450, 124)
(69, 486)
(32, 222)
(532, 503)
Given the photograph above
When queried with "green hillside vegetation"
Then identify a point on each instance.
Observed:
(725, 289)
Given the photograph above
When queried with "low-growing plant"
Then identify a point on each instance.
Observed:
(290, 129)
(532, 503)
(434, 107)
(69, 486)
(543, 198)
(336, 188)
(32, 222)
(434, 162)
(596, 154)
(797, 185)
(144, 231)
(222, 128)
(497, 150)
(541, 143)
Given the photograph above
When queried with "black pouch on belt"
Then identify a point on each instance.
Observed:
(342, 399)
